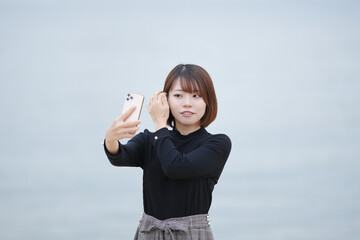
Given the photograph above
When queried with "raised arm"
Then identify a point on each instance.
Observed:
(123, 155)
(207, 160)
(131, 154)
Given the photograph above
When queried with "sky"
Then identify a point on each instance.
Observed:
(287, 79)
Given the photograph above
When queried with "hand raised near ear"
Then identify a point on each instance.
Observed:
(158, 108)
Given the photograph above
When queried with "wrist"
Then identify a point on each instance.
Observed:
(112, 146)
(111, 143)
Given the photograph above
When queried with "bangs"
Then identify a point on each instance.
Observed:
(188, 85)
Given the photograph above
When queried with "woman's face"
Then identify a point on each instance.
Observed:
(187, 108)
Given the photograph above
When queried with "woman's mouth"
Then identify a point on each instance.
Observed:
(187, 113)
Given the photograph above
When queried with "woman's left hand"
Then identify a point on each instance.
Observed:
(158, 108)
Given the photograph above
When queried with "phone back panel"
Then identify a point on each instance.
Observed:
(133, 99)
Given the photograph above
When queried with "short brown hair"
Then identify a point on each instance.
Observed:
(193, 77)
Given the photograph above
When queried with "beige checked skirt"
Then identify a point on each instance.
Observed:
(195, 227)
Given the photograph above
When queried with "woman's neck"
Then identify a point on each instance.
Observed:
(186, 130)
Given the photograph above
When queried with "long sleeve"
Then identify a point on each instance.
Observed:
(179, 172)
(207, 160)
(130, 154)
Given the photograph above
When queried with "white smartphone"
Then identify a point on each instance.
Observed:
(133, 99)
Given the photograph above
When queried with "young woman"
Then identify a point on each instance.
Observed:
(180, 166)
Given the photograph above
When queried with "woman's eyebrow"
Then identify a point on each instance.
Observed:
(180, 90)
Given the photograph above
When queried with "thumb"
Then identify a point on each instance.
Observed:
(127, 114)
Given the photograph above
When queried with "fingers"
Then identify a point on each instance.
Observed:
(120, 131)
(157, 97)
(127, 114)
(131, 124)
(163, 99)
(120, 122)
(154, 97)
(126, 135)
(127, 131)
(153, 100)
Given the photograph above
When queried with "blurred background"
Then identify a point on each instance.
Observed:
(287, 78)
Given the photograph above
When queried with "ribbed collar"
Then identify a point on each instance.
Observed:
(195, 134)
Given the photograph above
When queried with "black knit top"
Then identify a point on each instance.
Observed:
(179, 172)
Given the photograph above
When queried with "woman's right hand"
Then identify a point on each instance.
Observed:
(120, 129)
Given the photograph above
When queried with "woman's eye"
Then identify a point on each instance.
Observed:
(177, 95)
(196, 96)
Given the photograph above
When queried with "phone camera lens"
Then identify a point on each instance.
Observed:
(131, 97)
(127, 99)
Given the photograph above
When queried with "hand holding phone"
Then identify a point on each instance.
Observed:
(126, 125)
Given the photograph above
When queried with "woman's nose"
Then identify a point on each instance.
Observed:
(187, 101)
